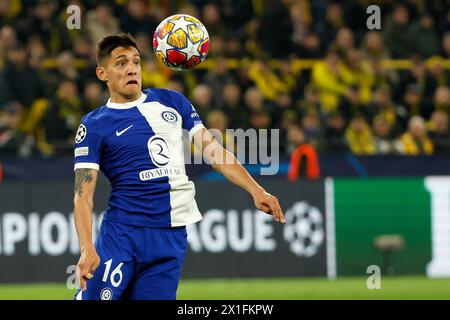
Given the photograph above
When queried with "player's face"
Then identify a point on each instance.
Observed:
(123, 72)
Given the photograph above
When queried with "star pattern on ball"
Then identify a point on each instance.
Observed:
(182, 24)
(163, 45)
(191, 50)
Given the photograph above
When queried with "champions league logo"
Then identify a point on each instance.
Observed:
(81, 133)
(304, 229)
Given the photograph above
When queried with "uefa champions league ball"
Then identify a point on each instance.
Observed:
(181, 42)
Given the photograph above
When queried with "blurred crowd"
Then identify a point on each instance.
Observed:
(368, 91)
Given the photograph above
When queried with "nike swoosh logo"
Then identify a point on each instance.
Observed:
(119, 133)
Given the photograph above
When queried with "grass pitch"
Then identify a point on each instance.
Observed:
(346, 288)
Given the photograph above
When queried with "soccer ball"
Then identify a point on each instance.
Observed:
(181, 42)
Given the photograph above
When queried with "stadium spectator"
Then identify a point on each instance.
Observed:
(344, 42)
(282, 103)
(37, 55)
(374, 51)
(101, 21)
(289, 118)
(326, 76)
(254, 100)
(420, 75)
(93, 95)
(217, 46)
(8, 40)
(19, 82)
(12, 140)
(217, 77)
(359, 136)
(137, 19)
(260, 119)
(152, 75)
(233, 47)
(177, 84)
(357, 73)
(242, 76)
(399, 33)
(186, 8)
(202, 98)
(44, 23)
(439, 133)
(439, 11)
(8, 12)
(233, 107)
(426, 38)
(310, 46)
(373, 46)
(310, 102)
(414, 102)
(415, 140)
(269, 81)
(62, 117)
(276, 29)
(333, 139)
(446, 45)
(295, 137)
(334, 20)
(82, 49)
(66, 67)
(382, 104)
(438, 73)
(236, 14)
(212, 17)
(442, 99)
(219, 121)
(385, 141)
(312, 127)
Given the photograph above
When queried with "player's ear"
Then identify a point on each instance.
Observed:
(101, 74)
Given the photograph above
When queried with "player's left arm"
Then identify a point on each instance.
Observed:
(226, 163)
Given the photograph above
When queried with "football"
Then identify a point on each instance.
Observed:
(181, 42)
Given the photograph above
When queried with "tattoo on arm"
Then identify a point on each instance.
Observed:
(82, 176)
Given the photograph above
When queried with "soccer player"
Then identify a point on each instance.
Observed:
(136, 140)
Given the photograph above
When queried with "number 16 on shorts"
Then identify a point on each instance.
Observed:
(116, 276)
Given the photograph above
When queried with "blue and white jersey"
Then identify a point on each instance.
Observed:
(139, 147)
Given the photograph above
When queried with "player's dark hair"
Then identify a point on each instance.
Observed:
(106, 45)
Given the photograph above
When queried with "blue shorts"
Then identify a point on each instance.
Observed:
(136, 263)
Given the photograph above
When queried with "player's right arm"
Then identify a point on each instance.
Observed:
(85, 183)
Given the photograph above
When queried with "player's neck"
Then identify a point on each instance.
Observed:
(118, 98)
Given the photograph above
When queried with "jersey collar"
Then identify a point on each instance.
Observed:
(126, 105)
